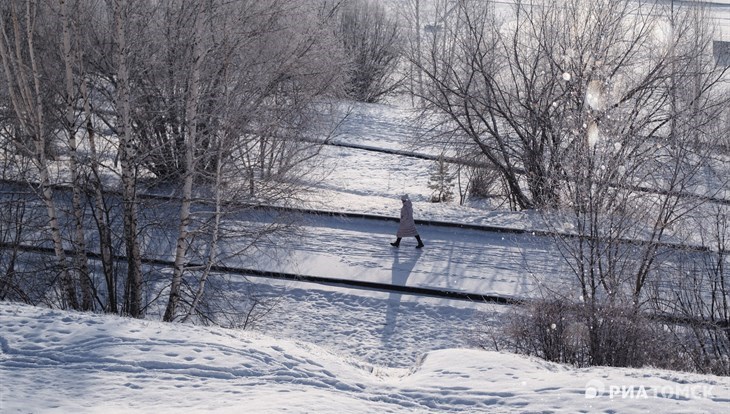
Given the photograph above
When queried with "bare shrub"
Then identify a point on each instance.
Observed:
(544, 329)
(570, 333)
(702, 296)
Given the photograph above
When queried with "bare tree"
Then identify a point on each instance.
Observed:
(371, 39)
(648, 138)
(593, 112)
(101, 212)
(190, 141)
(23, 74)
(71, 129)
(261, 93)
(517, 89)
(133, 291)
(411, 12)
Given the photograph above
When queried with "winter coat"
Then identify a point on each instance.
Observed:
(407, 226)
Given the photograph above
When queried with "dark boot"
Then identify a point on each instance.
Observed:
(420, 242)
(396, 243)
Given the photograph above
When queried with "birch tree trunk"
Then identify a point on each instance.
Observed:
(215, 236)
(133, 290)
(191, 116)
(80, 258)
(25, 96)
(417, 27)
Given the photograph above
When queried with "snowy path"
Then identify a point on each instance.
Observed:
(454, 259)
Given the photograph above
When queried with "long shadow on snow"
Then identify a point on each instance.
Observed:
(401, 270)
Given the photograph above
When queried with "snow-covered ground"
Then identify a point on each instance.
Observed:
(64, 362)
(363, 182)
(55, 361)
(332, 349)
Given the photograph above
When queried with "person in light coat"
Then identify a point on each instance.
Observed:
(407, 227)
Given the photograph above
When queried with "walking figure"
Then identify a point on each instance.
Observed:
(407, 227)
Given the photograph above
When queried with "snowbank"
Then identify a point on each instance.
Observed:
(54, 361)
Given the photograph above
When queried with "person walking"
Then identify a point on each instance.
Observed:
(407, 227)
